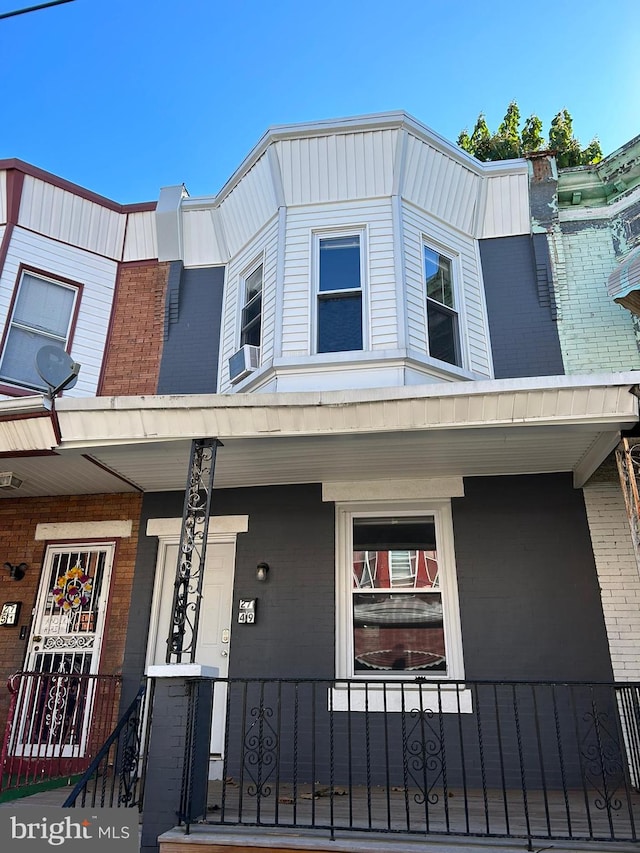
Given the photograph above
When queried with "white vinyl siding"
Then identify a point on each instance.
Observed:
(379, 300)
(337, 167)
(95, 273)
(506, 207)
(440, 185)
(140, 241)
(248, 207)
(60, 214)
(203, 239)
(419, 228)
(264, 247)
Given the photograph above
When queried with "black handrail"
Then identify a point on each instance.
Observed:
(120, 759)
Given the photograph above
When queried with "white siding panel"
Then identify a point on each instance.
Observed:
(337, 167)
(380, 302)
(69, 218)
(140, 241)
(440, 185)
(507, 206)
(249, 205)
(474, 333)
(264, 247)
(202, 245)
(96, 274)
(3, 196)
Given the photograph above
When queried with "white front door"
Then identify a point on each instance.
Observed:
(212, 647)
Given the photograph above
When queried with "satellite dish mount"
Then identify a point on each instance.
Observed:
(56, 368)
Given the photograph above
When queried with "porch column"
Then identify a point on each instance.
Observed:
(178, 750)
(187, 592)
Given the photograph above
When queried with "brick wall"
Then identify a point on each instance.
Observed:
(134, 346)
(595, 333)
(617, 574)
(18, 520)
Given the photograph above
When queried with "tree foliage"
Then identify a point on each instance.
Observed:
(508, 141)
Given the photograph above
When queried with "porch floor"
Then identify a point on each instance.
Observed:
(367, 819)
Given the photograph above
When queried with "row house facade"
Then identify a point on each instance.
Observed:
(416, 379)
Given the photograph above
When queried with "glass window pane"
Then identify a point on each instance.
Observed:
(395, 553)
(340, 263)
(398, 632)
(438, 277)
(253, 284)
(18, 363)
(340, 323)
(252, 310)
(443, 334)
(398, 569)
(251, 334)
(251, 321)
(44, 305)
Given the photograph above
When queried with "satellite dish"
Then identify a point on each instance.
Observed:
(57, 368)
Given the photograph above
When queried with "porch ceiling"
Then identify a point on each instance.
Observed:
(270, 460)
(465, 429)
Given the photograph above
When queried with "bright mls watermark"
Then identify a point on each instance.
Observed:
(33, 829)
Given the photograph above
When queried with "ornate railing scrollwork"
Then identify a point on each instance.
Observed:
(187, 593)
(423, 750)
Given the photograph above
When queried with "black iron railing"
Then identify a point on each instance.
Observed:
(115, 778)
(507, 759)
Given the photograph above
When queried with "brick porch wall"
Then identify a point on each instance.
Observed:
(617, 572)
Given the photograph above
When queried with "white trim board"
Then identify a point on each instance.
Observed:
(51, 531)
(219, 525)
(387, 490)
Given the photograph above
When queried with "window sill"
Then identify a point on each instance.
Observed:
(407, 696)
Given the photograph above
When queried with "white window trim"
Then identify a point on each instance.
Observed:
(458, 302)
(359, 231)
(441, 511)
(248, 270)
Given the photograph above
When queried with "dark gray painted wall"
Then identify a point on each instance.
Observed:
(291, 529)
(193, 313)
(521, 307)
(529, 596)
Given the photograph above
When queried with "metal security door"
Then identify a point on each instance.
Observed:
(64, 646)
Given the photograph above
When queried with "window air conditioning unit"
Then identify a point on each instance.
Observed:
(243, 362)
(8, 480)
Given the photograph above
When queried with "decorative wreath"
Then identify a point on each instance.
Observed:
(73, 589)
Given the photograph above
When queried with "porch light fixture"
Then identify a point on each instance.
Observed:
(8, 480)
(16, 572)
(262, 570)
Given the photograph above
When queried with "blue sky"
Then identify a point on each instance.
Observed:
(126, 96)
